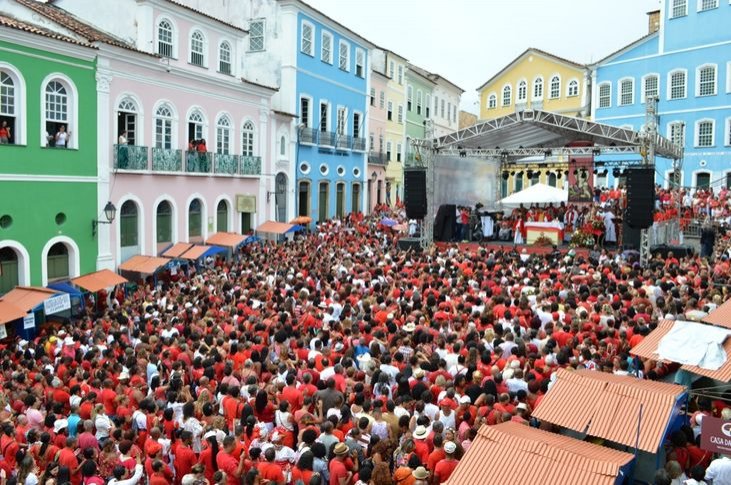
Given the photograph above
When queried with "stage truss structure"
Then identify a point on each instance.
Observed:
(528, 133)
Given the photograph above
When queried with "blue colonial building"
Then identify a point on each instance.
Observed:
(685, 60)
(326, 70)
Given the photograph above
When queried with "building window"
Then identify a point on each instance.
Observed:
(728, 133)
(492, 101)
(449, 111)
(676, 133)
(454, 114)
(409, 98)
(388, 151)
(371, 142)
(198, 49)
(340, 200)
(224, 58)
(344, 56)
(307, 45)
(507, 96)
(704, 133)
(605, 95)
(303, 199)
(222, 216)
(195, 219)
(373, 97)
(128, 224)
(518, 182)
(195, 125)
(651, 87)
(305, 111)
(7, 105)
(707, 5)
(427, 105)
(538, 88)
(282, 146)
(418, 101)
(324, 116)
(626, 92)
(323, 201)
(702, 180)
(164, 222)
(382, 100)
(389, 111)
(573, 88)
(326, 52)
(678, 8)
(360, 62)
(441, 109)
(355, 200)
(256, 35)
(165, 38)
(247, 139)
(398, 152)
(706, 81)
(555, 87)
(391, 69)
(356, 125)
(223, 135)
(400, 74)
(677, 84)
(164, 127)
(342, 121)
(522, 92)
(400, 118)
(436, 105)
(58, 107)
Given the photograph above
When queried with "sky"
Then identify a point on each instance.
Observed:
(468, 41)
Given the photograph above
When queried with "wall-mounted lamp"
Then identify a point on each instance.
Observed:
(109, 212)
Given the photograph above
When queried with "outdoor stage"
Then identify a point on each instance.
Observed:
(503, 246)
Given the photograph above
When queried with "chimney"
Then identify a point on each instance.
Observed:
(653, 21)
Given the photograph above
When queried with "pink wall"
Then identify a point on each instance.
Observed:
(377, 127)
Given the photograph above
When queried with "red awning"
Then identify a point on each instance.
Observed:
(176, 250)
(273, 227)
(195, 252)
(143, 264)
(98, 280)
(20, 300)
(225, 239)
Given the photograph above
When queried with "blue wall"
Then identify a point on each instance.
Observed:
(689, 42)
(322, 81)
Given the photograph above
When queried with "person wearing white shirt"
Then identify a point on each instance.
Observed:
(719, 471)
(133, 480)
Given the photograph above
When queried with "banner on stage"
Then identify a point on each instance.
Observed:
(581, 179)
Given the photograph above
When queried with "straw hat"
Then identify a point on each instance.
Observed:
(421, 432)
(341, 449)
(420, 473)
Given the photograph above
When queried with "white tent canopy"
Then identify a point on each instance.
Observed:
(535, 194)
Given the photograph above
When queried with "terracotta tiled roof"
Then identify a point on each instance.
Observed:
(14, 23)
(721, 316)
(515, 453)
(648, 349)
(608, 406)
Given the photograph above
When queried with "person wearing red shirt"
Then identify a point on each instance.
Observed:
(107, 398)
(291, 393)
(184, 456)
(67, 457)
(437, 455)
(444, 468)
(160, 474)
(233, 466)
(341, 467)
(268, 470)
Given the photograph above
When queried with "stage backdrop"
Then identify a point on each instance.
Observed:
(465, 181)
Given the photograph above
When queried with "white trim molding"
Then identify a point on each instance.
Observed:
(23, 260)
(74, 257)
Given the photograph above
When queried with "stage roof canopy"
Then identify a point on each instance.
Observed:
(531, 129)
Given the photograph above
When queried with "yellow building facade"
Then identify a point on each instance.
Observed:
(395, 133)
(536, 80)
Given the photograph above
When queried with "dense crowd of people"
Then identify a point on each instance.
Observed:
(332, 359)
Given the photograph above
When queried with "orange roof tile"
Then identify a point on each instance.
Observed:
(176, 250)
(500, 453)
(20, 300)
(721, 316)
(608, 406)
(195, 252)
(143, 264)
(98, 280)
(14, 23)
(274, 227)
(647, 349)
(225, 239)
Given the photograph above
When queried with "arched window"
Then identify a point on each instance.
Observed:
(127, 120)
(224, 58)
(9, 269)
(552, 179)
(164, 127)
(7, 106)
(538, 88)
(198, 48)
(555, 87)
(492, 101)
(573, 88)
(355, 203)
(507, 96)
(340, 200)
(165, 44)
(129, 225)
(522, 91)
(195, 219)
(164, 222)
(58, 262)
(303, 199)
(247, 139)
(280, 199)
(58, 114)
(222, 216)
(195, 125)
(223, 135)
(283, 146)
(323, 201)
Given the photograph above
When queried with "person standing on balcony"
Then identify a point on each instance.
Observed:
(5, 133)
(202, 161)
(122, 154)
(62, 137)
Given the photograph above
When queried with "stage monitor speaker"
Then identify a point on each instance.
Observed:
(640, 197)
(444, 223)
(406, 243)
(415, 193)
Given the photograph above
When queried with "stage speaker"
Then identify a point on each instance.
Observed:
(631, 236)
(640, 197)
(406, 243)
(415, 193)
(444, 223)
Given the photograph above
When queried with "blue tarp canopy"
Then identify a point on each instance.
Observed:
(251, 240)
(65, 287)
(296, 228)
(213, 250)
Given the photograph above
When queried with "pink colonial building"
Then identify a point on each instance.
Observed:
(377, 159)
(188, 146)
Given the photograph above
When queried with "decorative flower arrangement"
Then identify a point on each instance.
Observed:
(543, 241)
(582, 238)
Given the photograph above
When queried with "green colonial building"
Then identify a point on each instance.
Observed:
(48, 156)
(418, 81)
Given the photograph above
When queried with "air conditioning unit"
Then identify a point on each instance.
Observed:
(246, 203)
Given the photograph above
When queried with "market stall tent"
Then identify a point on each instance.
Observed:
(19, 302)
(98, 280)
(143, 264)
(535, 194)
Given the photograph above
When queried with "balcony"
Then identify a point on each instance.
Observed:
(359, 144)
(308, 135)
(250, 165)
(226, 164)
(130, 157)
(327, 139)
(377, 158)
(167, 160)
(342, 142)
(198, 162)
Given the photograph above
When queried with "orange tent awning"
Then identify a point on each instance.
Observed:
(273, 227)
(195, 252)
(98, 280)
(176, 250)
(143, 264)
(225, 239)
(20, 300)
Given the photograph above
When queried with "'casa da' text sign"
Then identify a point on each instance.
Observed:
(716, 435)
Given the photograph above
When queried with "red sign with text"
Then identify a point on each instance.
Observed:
(716, 435)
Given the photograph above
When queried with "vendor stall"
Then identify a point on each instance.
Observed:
(24, 306)
(278, 229)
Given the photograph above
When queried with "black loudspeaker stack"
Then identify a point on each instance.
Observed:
(444, 223)
(640, 197)
(415, 193)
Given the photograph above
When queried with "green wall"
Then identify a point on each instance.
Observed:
(37, 183)
(415, 122)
